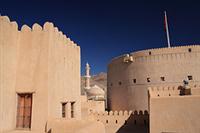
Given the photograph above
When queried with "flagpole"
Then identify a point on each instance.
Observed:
(167, 30)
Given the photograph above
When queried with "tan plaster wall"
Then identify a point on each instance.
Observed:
(9, 38)
(168, 91)
(38, 60)
(88, 106)
(175, 64)
(123, 121)
(74, 126)
(177, 114)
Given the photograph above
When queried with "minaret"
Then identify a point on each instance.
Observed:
(87, 76)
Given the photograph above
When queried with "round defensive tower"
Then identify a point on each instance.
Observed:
(130, 75)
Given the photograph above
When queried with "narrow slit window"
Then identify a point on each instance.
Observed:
(148, 79)
(120, 83)
(63, 110)
(149, 52)
(190, 77)
(162, 78)
(134, 80)
(72, 109)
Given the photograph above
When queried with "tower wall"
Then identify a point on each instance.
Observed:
(128, 81)
(9, 39)
(41, 61)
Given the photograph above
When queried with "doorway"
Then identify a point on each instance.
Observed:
(24, 110)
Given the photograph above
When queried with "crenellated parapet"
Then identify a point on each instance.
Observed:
(112, 113)
(5, 19)
(47, 27)
(163, 91)
(168, 91)
(36, 27)
(121, 117)
(6, 22)
(174, 49)
(162, 54)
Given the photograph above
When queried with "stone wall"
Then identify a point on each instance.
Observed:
(123, 121)
(41, 61)
(177, 114)
(88, 106)
(74, 126)
(128, 80)
(9, 38)
(167, 91)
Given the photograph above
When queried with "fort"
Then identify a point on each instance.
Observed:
(40, 89)
(130, 75)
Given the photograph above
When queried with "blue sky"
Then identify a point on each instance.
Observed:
(108, 28)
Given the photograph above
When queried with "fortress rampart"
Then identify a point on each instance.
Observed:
(164, 91)
(130, 75)
(47, 27)
(179, 113)
(160, 53)
(122, 120)
(171, 91)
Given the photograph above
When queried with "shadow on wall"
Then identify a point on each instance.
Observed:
(136, 123)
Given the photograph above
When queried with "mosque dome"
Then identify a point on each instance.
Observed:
(95, 92)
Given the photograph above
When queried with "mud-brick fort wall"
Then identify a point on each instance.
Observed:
(170, 112)
(129, 76)
(41, 61)
(123, 121)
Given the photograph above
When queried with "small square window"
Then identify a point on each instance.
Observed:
(111, 84)
(120, 83)
(134, 80)
(189, 50)
(148, 80)
(190, 77)
(162, 78)
(149, 52)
